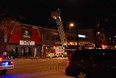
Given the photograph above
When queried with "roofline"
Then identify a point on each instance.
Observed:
(38, 27)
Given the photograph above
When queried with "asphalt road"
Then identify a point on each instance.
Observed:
(38, 68)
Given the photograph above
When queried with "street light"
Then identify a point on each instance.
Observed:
(98, 32)
(71, 25)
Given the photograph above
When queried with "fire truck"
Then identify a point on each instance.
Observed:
(59, 50)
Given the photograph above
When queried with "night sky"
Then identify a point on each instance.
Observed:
(99, 14)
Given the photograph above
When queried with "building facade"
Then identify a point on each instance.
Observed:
(25, 40)
(29, 40)
(50, 39)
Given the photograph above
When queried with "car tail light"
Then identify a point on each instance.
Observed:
(0, 59)
(68, 62)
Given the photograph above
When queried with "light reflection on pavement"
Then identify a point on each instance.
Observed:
(17, 76)
(37, 75)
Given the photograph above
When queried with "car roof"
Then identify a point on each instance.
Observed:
(96, 51)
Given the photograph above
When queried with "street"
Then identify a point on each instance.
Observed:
(38, 68)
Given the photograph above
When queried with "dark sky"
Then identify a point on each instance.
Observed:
(85, 13)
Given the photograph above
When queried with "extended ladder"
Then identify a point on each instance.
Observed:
(56, 15)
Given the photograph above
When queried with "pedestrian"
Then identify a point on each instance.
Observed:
(26, 51)
(12, 55)
(5, 54)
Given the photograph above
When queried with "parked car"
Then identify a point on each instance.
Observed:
(99, 63)
(5, 65)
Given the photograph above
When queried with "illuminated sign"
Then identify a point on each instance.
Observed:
(26, 42)
(26, 33)
(71, 43)
(81, 36)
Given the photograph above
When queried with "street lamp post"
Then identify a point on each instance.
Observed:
(77, 31)
(71, 25)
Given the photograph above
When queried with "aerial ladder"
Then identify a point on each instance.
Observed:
(56, 15)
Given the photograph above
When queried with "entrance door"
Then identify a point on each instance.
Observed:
(26, 51)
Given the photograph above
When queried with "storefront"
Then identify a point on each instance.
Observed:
(25, 40)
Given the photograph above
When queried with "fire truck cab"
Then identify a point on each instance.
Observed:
(58, 51)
